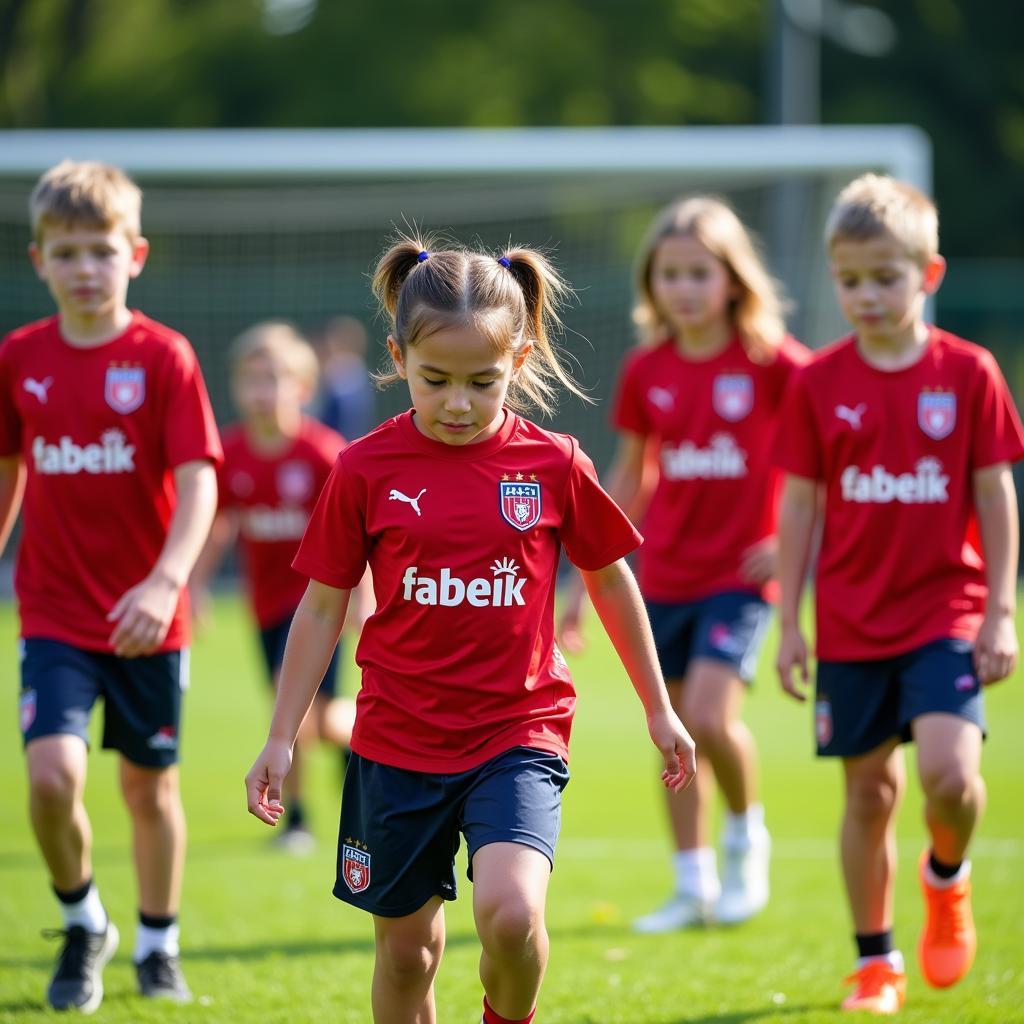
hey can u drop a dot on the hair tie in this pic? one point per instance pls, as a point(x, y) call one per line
point(504, 261)
point(423, 256)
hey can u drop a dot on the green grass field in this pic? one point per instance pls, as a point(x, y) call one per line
point(264, 941)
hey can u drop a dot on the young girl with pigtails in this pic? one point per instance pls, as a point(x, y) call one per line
point(460, 507)
point(696, 411)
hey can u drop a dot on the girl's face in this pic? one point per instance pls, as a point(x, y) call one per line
point(266, 391)
point(691, 287)
point(457, 383)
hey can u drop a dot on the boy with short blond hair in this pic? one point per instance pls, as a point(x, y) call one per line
point(910, 432)
point(276, 462)
point(106, 433)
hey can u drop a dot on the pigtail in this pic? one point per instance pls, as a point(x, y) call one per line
point(544, 291)
point(394, 267)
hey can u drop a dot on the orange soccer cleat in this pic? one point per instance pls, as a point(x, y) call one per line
point(949, 941)
point(880, 988)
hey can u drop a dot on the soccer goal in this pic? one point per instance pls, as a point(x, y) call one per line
point(247, 225)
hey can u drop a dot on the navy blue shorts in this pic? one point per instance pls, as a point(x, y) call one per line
point(727, 627)
point(861, 704)
point(141, 698)
point(272, 642)
point(400, 829)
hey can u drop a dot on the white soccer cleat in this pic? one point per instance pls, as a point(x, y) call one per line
point(681, 911)
point(745, 880)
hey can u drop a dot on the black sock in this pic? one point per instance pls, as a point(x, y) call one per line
point(942, 870)
point(76, 895)
point(876, 944)
point(296, 816)
point(152, 921)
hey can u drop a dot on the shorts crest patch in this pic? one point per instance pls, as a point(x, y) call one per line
point(936, 413)
point(125, 388)
point(520, 504)
point(355, 865)
point(823, 722)
point(26, 709)
point(732, 395)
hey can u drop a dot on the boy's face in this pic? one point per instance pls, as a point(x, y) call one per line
point(880, 288)
point(266, 390)
point(87, 269)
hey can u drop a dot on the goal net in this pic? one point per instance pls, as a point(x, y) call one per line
point(252, 225)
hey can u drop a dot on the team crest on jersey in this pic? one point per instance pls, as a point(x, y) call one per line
point(732, 395)
point(936, 413)
point(520, 503)
point(125, 388)
point(294, 481)
point(355, 865)
point(823, 722)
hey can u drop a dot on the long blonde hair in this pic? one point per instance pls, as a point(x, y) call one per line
point(425, 286)
point(756, 311)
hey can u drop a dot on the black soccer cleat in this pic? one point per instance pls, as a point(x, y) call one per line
point(77, 982)
point(160, 977)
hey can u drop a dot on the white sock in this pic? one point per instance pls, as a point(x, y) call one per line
point(934, 882)
point(87, 912)
point(741, 830)
point(156, 940)
point(893, 959)
point(696, 873)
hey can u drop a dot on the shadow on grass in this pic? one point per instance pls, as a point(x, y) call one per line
point(761, 1013)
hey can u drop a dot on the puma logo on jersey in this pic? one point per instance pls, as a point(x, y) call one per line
point(928, 485)
point(415, 502)
point(39, 388)
point(111, 455)
point(852, 416)
point(504, 590)
point(722, 459)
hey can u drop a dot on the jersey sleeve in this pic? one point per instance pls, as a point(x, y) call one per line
point(190, 431)
point(629, 411)
point(335, 547)
point(595, 531)
point(996, 434)
point(10, 421)
point(797, 447)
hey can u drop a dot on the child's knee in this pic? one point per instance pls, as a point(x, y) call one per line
point(950, 783)
point(511, 930)
point(408, 957)
point(53, 784)
point(150, 794)
point(874, 799)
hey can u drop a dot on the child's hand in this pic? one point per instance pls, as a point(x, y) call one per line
point(263, 783)
point(760, 561)
point(199, 602)
point(996, 649)
point(677, 748)
point(143, 615)
point(793, 655)
point(570, 636)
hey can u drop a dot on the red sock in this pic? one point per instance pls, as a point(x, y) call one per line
point(490, 1017)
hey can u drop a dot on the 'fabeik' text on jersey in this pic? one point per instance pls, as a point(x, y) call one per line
point(503, 591)
point(928, 485)
point(111, 455)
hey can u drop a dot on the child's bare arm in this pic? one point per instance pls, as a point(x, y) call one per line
point(797, 511)
point(314, 632)
point(996, 649)
point(143, 614)
point(618, 603)
point(12, 487)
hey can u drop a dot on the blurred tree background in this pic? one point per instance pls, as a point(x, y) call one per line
point(955, 70)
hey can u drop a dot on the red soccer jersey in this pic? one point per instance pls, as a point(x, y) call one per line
point(273, 497)
point(100, 430)
point(896, 452)
point(459, 661)
point(713, 422)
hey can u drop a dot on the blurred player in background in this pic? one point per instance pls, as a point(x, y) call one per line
point(912, 432)
point(696, 410)
point(346, 401)
point(460, 507)
point(276, 461)
point(105, 413)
